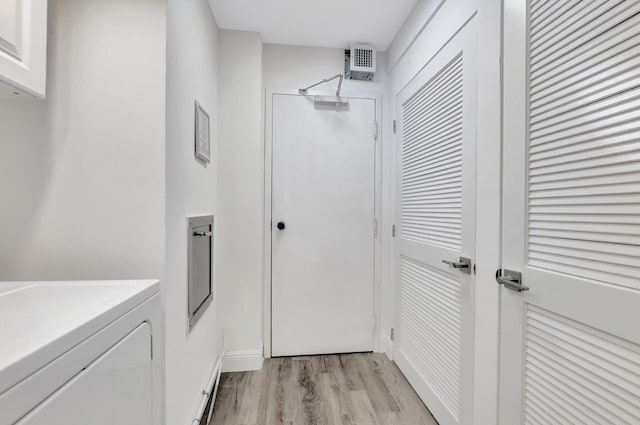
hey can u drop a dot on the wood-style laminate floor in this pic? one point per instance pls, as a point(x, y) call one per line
point(346, 389)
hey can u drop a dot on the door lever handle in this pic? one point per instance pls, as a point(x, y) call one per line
point(511, 280)
point(464, 265)
point(203, 234)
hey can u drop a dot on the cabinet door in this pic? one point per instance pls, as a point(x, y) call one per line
point(23, 44)
point(116, 389)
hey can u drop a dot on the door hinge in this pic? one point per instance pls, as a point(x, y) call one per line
point(393, 336)
point(374, 322)
point(374, 226)
point(395, 126)
point(375, 130)
point(393, 230)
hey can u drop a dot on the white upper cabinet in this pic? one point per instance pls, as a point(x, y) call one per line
point(23, 45)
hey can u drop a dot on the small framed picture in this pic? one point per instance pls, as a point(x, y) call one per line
point(203, 131)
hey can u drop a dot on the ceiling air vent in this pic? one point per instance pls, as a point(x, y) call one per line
point(360, 62)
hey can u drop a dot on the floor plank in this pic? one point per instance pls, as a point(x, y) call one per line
point(345, 389)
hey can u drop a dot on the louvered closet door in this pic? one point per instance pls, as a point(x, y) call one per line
point(571, 344)
point(434, 302)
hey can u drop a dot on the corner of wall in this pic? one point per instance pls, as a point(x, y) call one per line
point(240, 223)
point(386, 346)
point(242, 361)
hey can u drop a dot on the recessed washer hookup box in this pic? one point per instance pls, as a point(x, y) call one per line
point(200, 237)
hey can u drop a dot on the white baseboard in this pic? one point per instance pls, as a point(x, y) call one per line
point(386, 346)
point(242, 361)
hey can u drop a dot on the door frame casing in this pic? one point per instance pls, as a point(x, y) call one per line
point(268, 167)
point(514, 156)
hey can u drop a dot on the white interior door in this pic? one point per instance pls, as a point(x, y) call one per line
point(437, 163)
point(323, 206)
point(570, 350)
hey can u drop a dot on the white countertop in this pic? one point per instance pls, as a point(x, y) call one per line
point(39, 321)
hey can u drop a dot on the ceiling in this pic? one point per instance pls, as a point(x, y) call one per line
point(322, 23)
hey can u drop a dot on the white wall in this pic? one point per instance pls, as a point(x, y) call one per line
point(240, 198)
point(81, 174)
point(293, 67)
point(245, 67)
point(431, 25)
point(192, 72)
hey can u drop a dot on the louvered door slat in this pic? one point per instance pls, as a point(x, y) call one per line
point(593, 247)
point(623, 143)
point(589, 41)
point(435, 130)
point(450, 134)
point(431, 318)
point(587, 111)
point(429, 117)
point(437, 122)
point(586, 369)
point(570, 35)
point(592, 137)
point(434, 186)
point(441, 94)
point(445, 156)
point(434, 105)
point(537, 6)
point(584, 151)
point(441, 83)
point(441, 172)
point(622, 79)
point(616, 54)
point(600, 190)
point(543, 17)
point(567, 24)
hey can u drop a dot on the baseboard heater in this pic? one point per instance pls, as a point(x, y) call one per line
point(205, 408)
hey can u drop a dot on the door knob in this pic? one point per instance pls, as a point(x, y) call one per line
point(281, 225)
point(464, 265)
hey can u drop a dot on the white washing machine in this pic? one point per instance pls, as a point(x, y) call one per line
point(80, 353)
